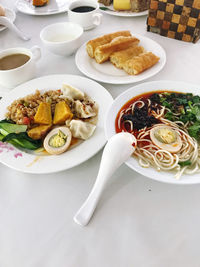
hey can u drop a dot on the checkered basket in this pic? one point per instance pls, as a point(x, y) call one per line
point(178, 19)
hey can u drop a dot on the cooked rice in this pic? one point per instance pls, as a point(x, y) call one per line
point(27, 106)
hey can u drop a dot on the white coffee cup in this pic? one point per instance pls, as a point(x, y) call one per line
point(11, 78)
point(87, 20)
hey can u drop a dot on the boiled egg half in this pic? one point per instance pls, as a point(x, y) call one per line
point(166, 138)
point(58, 140)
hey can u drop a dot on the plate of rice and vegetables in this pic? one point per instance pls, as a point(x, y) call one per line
point(54, 123)
point(164, 116)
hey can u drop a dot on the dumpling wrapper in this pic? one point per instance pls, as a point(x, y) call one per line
point(71, 92)
point(81, 129)
point(83, 110)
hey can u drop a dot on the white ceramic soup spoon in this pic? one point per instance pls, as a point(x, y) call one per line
point(6, 22)
point(118, 149)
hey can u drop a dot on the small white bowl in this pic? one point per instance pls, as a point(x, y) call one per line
point(62, 38)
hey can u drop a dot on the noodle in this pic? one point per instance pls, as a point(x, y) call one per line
point(149, 154)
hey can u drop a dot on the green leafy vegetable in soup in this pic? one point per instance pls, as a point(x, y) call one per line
point(182, 107)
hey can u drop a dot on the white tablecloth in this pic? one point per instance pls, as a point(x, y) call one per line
point(138, 222)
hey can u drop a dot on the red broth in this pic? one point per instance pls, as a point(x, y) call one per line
point(144, 97)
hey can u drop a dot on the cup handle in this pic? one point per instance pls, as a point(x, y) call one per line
point(97, 18)
point(36, 52)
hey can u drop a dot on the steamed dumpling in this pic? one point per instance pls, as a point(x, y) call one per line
point(67, 122)
point(71, 92)
point(80, 129)
point(83, 110)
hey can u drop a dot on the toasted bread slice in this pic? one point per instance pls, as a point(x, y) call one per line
point(93, 44)
point(103, 52)
point(140, 63)
point(139, 5)
point(106, 2)
point(119, 58)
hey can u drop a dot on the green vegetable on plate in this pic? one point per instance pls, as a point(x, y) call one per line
point(16, 135)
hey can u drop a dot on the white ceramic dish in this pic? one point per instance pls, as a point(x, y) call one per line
point(62, 38)
point(30, 163)
point(113, 12)
point(167, 177)
point(108, 73)
point(53, 7)
point(10, 14)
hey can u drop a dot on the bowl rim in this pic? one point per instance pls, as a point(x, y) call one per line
point(60, 23)
point(123, 98)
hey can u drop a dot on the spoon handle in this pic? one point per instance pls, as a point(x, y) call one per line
point(6, 22)
point(84, 214)
point(18, 32)
point(118, 149)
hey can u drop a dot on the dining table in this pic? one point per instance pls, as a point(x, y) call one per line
point(138, 222)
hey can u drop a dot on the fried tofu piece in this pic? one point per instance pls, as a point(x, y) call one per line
point(119, 58)
point(140, 63)
point(105, 39)
point(39, 132)
point(43, 114)
point(103, 52)
point(62, 113)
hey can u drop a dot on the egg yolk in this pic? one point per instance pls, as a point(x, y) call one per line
point(58, 140)
point(165, 135)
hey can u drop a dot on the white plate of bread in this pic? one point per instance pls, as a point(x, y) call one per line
point(42, 7)
point(124, 8)
point(120, 58)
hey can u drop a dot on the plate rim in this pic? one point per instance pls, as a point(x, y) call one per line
point(5, 102)
point(41, 13)
point(106, 80)
point(184, 180)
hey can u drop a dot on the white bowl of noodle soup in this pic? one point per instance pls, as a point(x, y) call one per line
point(167, 176)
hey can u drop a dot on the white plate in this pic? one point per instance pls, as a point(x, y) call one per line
point(30, 163)
point(122, 13)
point(167, 177)
point(10, 14)
point(108, 73)
point(53, 7)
